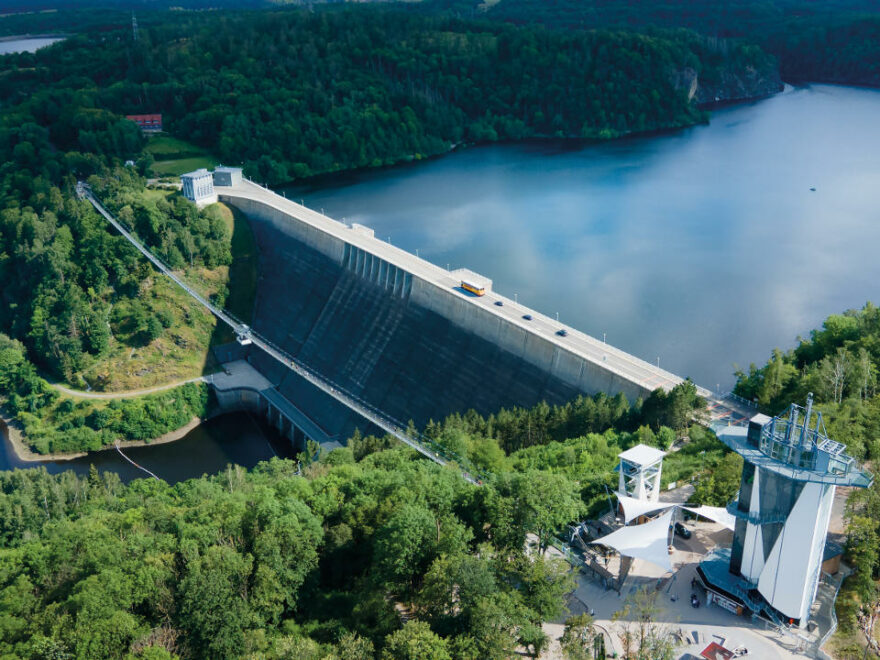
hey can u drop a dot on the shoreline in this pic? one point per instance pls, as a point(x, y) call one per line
point(24, 453)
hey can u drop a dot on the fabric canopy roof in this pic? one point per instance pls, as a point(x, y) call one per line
point(633, 508)
point(715, 513)
point(649, 541)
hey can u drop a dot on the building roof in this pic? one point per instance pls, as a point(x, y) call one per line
point(151, 117)
point(736, 437)
point(716, 652)
point(633, 508)
point(714, 513)
point(642, 455)
point(225, 168)
point(196, 174)
point(649, 541)
point(832, 550)
point(466, 275)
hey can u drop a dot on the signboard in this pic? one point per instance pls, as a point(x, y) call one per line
point(726, 603)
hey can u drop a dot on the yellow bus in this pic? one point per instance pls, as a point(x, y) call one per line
point(476, 289)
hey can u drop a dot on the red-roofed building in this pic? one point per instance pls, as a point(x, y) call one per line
point(147, 123)
point(716, 652)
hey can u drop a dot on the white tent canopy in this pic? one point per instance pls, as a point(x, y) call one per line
point(649, 541)
point(715, 513)
point(633, 508)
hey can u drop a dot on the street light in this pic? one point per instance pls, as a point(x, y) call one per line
point(603, 337)
point(515, 299)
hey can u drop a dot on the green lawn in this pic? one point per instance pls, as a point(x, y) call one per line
point(165, 147)
point(183, 165)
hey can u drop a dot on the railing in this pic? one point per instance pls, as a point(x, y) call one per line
point(754, 518)
point(740, 400)
point(425, 446)
point(756, 605)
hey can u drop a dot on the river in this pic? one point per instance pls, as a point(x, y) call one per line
point(26, 45)
point(704, 247)
point(236, 438)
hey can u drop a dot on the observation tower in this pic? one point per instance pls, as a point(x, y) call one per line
point(640, 469)
point(789, 477)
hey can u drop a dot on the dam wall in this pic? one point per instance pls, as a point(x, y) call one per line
point(401, 334)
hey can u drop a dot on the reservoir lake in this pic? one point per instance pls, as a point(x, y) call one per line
point(26, 45)
point(704, 247)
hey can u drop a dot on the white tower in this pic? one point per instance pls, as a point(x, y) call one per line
point(790, 472)
point(640, 468)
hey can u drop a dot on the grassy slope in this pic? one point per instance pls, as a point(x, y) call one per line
point(182, 351)
point(179, 353)
point(175, 157)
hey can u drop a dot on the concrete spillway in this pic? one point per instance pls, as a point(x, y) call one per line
point(397, 331)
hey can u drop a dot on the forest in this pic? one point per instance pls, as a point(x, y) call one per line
point(835, 41)
point(369, 551)
point(292, 94)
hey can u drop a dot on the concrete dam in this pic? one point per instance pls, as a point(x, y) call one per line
point(400, 333)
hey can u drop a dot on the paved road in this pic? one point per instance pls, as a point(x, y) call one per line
point(634, 369)
point(79, 394)
point(613, 359)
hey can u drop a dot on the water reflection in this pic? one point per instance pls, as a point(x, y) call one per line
point(26, 45)
point(705, 247)
point(236, 438)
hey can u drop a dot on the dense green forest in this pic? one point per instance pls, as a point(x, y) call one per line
point(818, 41)
point(373, 552)
point(293, 93)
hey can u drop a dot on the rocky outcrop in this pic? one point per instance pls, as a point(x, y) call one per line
point(727, 71)
point(747, 83)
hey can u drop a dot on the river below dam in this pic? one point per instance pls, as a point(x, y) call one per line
point(704, 247)
point(236, 438)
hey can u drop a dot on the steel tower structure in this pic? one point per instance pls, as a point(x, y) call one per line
point(789, 477)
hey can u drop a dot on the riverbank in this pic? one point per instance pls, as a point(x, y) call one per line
point(335, 178)
point(22, 37)
point(13, 431)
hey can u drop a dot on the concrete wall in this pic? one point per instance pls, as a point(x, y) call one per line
point(573, 370)
point(239, 400)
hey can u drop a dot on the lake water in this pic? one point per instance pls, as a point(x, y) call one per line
point(236, 438)
point(704, 247)
point(26, 45)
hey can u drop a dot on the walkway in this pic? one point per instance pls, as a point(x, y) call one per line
point(79, 394)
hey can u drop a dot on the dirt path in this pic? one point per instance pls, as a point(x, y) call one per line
point(79, 394)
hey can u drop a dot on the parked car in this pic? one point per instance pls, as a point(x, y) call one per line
point(682, 531)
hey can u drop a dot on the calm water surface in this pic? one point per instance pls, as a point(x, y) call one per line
point(235, 438)
point(26, 45)
point(704, 248)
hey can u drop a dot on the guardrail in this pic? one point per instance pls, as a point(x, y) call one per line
point(754, 518)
